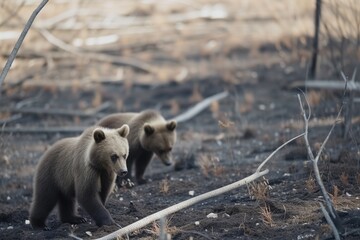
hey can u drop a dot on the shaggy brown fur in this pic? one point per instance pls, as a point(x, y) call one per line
point(81, 168)
point(150, 133)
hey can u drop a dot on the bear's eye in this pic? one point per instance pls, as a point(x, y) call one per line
point(124, 156)
point(114, 157)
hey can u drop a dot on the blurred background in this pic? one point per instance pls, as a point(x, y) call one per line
point(79, 43)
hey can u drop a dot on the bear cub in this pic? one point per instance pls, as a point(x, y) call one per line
point(81, 169)
point(150, 133)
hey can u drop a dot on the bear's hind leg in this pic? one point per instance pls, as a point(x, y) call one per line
point(67, 211)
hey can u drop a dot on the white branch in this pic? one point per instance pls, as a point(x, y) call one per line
point(193, 111)
point(177, 207)
point(20, 41)
point(330, 222)
point(153, 217)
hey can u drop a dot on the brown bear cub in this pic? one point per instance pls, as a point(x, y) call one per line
point(80, 168)
point(150, 133)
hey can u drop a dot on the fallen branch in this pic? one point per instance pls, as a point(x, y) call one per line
point(326, 84)
point(44, 130)
point(11, 119)
point(95, 56)
point(20, 41)
point(61, 112)
point(177, 207)
point(193, 111)
point(199, 107)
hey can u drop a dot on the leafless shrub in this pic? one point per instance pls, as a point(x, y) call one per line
point(341, 32)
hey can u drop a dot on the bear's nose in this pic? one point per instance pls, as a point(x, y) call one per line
point(123, 173)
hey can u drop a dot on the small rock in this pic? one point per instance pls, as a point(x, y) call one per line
point(348, 194)
point(10, 227)
point(191, 193)
point(27, 222)
point(8, 198)
point(121, 199)
point(197, 223)
point(88, 233)
point(212, 215)
point(226, 215)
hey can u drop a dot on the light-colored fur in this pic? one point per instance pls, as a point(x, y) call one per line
point(150, 133)
point(82, 168)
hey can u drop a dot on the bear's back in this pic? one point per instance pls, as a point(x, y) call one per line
point(116, 120)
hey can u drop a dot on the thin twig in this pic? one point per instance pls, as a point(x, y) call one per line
point(20, 41)
point(276, 150)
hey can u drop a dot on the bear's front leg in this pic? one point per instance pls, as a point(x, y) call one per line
point(87, 194)
point(94, 207)
point(140, 166)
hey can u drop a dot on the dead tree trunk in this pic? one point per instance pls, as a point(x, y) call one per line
point(312, 71)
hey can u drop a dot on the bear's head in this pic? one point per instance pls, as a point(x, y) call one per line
point(110, 150)
point(159, 138)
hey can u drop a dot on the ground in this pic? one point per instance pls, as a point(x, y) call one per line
point(223, 144)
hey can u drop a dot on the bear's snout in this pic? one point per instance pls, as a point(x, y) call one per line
point(167, 160)
point(122, 173)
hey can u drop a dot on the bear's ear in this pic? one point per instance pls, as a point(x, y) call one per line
point(124, 130)
point(148, 129)
point(99, 135)
point(171, 125)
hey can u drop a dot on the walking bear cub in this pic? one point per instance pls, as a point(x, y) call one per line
point(80, 168)
point(150, 133)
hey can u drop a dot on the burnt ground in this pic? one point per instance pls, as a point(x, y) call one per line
point(260, 117)
point(224, 143)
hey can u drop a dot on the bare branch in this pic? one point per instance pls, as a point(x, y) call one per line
point(20, 41)
point(330, 222)
point(193, 111)
point(95, 56)
point(329, 205)
point(153, 217)
point(177, 207)
point(276, 150)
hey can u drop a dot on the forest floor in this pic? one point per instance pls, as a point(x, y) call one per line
point(224, 143)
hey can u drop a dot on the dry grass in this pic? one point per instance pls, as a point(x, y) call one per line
point(311, 184)
point(344, 178)
point(335, 195)
point(266, 216)
point(313, 97)
point(248, 104)
point(164, 186)
point(259, 190)
point(210, 165)
point(156, 229)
